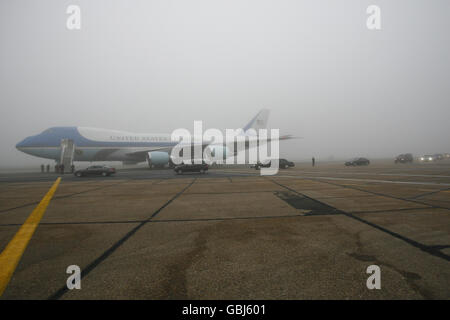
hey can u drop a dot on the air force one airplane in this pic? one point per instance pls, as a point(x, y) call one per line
point(93, 144)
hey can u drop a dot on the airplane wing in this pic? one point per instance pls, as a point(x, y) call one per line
point(141, 155)
point(257, 122)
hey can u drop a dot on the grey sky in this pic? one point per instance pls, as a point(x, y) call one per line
point(157, 65)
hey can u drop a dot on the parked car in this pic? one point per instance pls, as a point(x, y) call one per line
point(95, 171)
point(358, 162)
point(259, 165)
point(191, 167)
point(439, 156)
point(427, 158)
point(404, 158)
point(282, 163)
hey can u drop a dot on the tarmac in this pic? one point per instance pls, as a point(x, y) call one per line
point(305, 233)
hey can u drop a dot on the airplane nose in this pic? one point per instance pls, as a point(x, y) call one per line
point(20, 144)
point(23, 143)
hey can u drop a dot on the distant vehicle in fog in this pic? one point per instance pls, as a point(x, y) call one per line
point(282, 163)
point(358, 162)
point(447, 155)
point(95, 171)
point(427, 158)
point(404, 158)
point(439, 156)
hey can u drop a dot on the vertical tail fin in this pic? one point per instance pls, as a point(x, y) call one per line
point(259, 121)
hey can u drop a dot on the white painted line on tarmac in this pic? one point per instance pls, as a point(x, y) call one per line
point(369, 180)
point(383, 174)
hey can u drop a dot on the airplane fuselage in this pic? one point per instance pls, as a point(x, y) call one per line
point(92, 144)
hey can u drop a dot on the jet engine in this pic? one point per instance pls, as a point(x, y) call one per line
point(158, 159)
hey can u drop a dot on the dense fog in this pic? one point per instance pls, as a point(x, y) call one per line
point(152, 66)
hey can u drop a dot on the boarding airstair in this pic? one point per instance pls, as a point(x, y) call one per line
point(67, 153)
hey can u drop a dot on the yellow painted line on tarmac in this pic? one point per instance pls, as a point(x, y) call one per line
point(10, 257)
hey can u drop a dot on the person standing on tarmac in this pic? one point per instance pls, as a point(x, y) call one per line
point(62, 168)
point(72, 168)
point(313, 161)
point(42, 168)
point(48, 168)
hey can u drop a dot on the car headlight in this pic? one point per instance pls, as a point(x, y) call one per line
point(430, 158)
point(422, 158)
